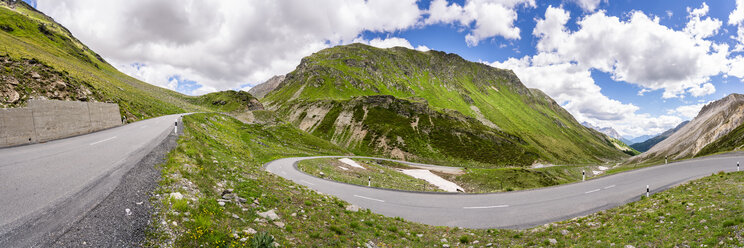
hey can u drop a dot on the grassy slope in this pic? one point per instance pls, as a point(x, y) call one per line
point(732, 141)
point(382, 176)
point(217, 152)
point(446, 81)
point(474, 180)
point(437, 138)
point(37, 36)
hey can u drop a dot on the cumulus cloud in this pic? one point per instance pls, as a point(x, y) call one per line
point(490, 18)
point(588, 5)
point(222, 44)
point(688, 111)
point(638, 50)
point(736, 18)
point(575, 89)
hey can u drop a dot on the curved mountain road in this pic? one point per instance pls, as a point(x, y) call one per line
point(511, 210)
point(46, 187)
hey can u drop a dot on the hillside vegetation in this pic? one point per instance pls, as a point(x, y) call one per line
point(217, 153)
point(431, 105)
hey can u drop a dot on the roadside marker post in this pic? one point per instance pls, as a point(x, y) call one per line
point(369, 181)
point(666, 161)
point(175, 129)
point(583, 175)
point(647, 191)
point(737, 166)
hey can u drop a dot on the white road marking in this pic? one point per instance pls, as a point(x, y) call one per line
point(591, 191)
point(611, 186)
point(307, 182)
point(483, 207)
point(103, 140)
point(373, 199)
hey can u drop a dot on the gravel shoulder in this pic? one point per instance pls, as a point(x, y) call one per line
point(109, 224)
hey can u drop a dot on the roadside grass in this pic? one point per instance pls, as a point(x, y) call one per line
point(474, 180)
point(218, 152)
point(382, 176)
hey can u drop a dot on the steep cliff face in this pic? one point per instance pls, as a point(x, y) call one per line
point(449, 87)
point(715, 120)
point(261, 90)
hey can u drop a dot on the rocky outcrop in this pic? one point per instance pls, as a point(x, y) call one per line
point(23, 79)
point(714, 121)
point(263, 89)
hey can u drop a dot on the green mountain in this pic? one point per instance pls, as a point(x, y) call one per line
point(41, 58)
point(431, 106)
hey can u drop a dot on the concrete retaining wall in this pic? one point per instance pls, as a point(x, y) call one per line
point(45, 120)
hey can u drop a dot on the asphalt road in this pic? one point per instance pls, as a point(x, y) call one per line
point(512, 210)
point(46, 187)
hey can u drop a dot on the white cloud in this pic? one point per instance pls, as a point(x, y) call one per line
point(390, 42)
point(490, 18)
point(588, 5)
point(737, 15)
point(736, 18)
point(574, 88)
point(638, 50)
point(700, 27)
point(688, 111)
point(222, 44)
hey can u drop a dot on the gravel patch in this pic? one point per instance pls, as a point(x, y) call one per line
point(123, 218)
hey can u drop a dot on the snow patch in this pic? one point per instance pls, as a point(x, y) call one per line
point(602, 168)
point(433, 179)
point(351, 163)
point(343, 168)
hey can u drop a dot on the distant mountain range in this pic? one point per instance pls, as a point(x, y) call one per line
point(647, 144)
point(609, 131)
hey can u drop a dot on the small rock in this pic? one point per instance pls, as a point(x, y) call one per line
point(176, 195)
point(242, 200)
point(128, 211)
point(322, 174)
point(489, 244)
point(420, 235)
point(243, 239)
point(352, 208)
point(443, 240)
point(445, 245)
point(174, 223)
point(235, 235)
point(370, 244)
point(279, 224)
point(553, 241)
point(271, 215)
point(564, 232)
point(629, 246)
point(139, 203)
point(294, 215)
point(249, 231)
point(235, 216)
point(221, 203)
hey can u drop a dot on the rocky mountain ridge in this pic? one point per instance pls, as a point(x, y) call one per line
point(715, 120)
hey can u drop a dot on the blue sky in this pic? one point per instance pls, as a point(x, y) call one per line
point(638, 66)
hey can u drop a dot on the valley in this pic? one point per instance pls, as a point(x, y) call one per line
point(358, 146)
